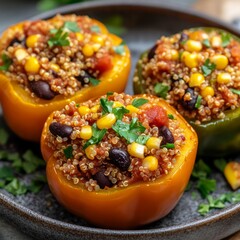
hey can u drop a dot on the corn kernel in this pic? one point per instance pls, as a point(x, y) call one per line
point(20, 54)
point(191, 60)
point(174, 54)
point(232, 174)
point(54, 67)
point(96, 47)
point(83, 110)
point(196, 80)
point(224, 78)
point(97, 39)
point(91, 152)
point(88, 50)
point(79, 36)
point(95, 108)
point(106, 121)
point(207, 91)
point(136, 150)
point(221, 61)
point(132, 109)
point(216, 41)
point(86, 132)
point(32, 65)
point(117, 104)
point(183, 55)
point(150, 163)
point(193, 46)
point(153, 142)
point(32, 40)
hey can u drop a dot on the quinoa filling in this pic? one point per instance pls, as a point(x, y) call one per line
point(196, 71)
point(114, 141)
point(59, 56)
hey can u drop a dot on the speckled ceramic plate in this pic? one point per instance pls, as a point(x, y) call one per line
point(40, 216)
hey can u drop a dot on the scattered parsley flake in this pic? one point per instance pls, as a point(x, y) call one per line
point(16, 187)
point(198, 102)
point(95, 28)
point(119, 112)
point(201, 170)
point(220, 164)
point(94, 81)
point(235, 91)
point(208, 67)
point(138, 102)
point(77, 105)
point(7, 61)
point(109, 94)
point(96, 137)
point(106, 105)
point(226, 38)
point(6, 173)
point(60, 38)
point(161, 90)
point(68, 152)
point(206, 186)
point(170, 116)
point(168, 146)
point(4, 136)
point(120, 49)
point(71, 26)
point(142, 139)
point(37, 184)
point(206, 43)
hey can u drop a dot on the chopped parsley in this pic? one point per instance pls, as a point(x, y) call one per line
point(96, 137)
point(129, 131)
point(168, 146)
point(120, 49)
point(206, 186)
point(142, 139)
point(220, 164)
point(206, 43)
point(109, 94)
point(119, 112)
point(161, 90)
point(4, 136)
point(170, 116)
point(16, 187)
point(71, 26)
point(226, 38)
point(208, 67)
point(198, 102)
point(60, 38)
point(7, 61)
point(138, 102)
point(94, 81)
point(68, 152)
point(106, 105)
point(95, 28)
point(235, 91)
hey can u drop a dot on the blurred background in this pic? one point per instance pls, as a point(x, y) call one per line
point(12, 11)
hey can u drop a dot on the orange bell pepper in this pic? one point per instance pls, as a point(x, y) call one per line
point(26, 115)
point(125, 208)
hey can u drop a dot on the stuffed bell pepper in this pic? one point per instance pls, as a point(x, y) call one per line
point(118, 161)
point(198, 72)
point(46, 64)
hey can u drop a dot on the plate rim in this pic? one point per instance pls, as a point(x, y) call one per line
point(60, 225)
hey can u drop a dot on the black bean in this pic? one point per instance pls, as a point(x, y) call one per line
point(102, 180)
point(17, 41)
point(183, 38)
point(42, 89)
point(62, 130)
point(151, 52)
point(120, 158)
point(84, 78)
point(190, 105)
point(166, 134)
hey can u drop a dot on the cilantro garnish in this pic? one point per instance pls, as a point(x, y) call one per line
point(129, 131)
point(16, 187)
point(7, 61)
point(198, 102)
point(120, 49)
point(6, 172)
point(226, 38)
point(94, 81)
point(68, 152)
point(201, 170)
point(235, 91)
point(95, 28)
point(220, 164)
point(71, 26)
point(4, 136)
point(96, 137)
point(109, 94)
point(206, 43)
point(170, 116)
point(138, 102)
point(206, 186)
point(37, 183)
point(60, 38)
point(106, 105)
point(161, 90)
point(142, 139)
point(208, 67)
point(168, 146)
point(119, 112)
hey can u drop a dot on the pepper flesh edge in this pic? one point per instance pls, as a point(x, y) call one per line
point(125, 208)
point(217, 138)
point(26, 116)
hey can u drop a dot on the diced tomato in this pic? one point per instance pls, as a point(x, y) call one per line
point(157, 116)
point(103, 64)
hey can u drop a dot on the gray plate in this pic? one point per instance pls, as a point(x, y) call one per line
point(40, 216)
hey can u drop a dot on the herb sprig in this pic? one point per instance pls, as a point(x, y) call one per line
point(7, 61)
point(208, 67)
